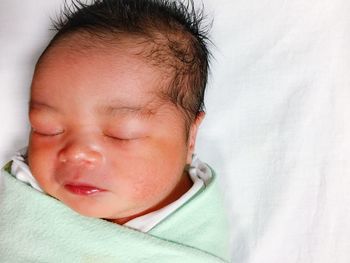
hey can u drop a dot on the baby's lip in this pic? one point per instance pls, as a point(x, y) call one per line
point(82, 188)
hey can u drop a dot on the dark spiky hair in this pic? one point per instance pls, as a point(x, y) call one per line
point(172, 34)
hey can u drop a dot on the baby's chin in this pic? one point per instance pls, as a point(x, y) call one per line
point(98, 206)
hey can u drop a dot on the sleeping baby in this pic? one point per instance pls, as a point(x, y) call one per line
point(110, 174)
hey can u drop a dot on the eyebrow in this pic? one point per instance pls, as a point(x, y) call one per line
point(109, 110)
point(38, 104)
point(127, 109)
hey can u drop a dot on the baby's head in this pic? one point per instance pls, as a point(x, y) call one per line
point(116, 101)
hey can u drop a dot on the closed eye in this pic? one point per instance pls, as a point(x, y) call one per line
point(48, 134)
point(119, 138)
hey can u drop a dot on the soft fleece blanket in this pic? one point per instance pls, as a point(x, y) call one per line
point(35, 227)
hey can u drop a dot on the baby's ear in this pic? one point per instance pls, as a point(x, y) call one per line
point(193, 135)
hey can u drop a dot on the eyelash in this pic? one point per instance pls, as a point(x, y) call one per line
point(47, 135)
point(119, 139)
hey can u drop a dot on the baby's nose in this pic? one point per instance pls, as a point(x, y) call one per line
point(80, 152)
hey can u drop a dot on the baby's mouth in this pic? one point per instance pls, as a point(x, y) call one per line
point(83, 189)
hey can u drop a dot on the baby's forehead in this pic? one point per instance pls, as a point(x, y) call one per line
point(80, 45)
point(106, 43)
point(84, 48)
point(163, 50)
point(126, 79)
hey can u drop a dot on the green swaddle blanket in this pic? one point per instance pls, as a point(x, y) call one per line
point(35, 227)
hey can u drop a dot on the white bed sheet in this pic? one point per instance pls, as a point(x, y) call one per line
point(277, 127)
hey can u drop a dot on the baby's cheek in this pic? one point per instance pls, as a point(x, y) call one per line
point(145, 187)
point(148, 189)
point(41, 161)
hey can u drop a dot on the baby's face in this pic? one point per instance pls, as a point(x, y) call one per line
point(101, 141)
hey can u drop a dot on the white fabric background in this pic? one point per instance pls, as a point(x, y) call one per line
point(277, 128)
